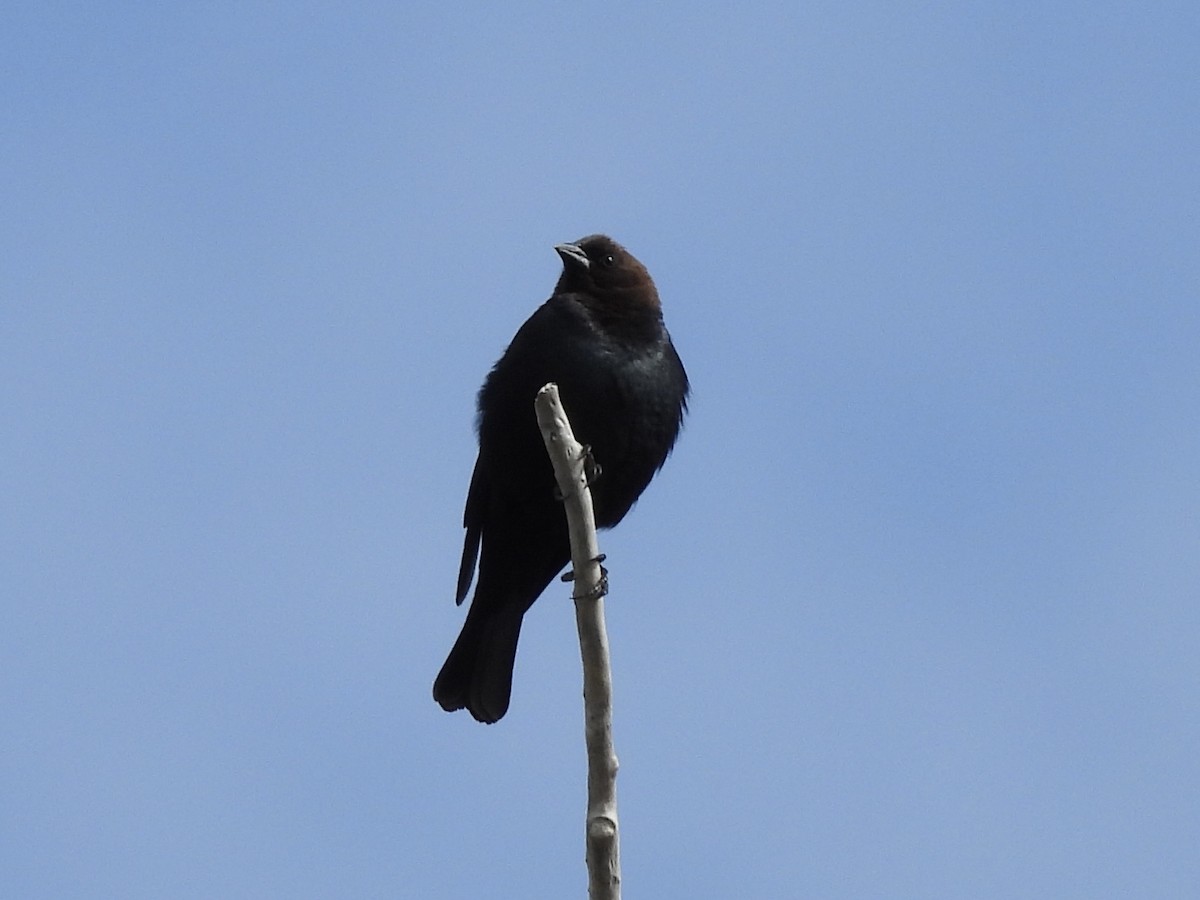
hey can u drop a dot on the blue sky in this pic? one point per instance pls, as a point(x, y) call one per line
point(911, 612)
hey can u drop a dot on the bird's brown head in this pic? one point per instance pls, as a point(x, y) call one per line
point(599, 269)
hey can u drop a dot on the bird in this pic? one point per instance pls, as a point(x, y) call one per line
point(601, 337)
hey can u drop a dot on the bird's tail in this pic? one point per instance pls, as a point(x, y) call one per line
point(477, 675)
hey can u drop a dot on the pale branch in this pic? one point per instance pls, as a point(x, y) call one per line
point(571, 467)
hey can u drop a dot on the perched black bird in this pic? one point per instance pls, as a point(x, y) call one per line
point(601, 338)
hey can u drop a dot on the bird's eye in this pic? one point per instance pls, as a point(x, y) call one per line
point(609, 262)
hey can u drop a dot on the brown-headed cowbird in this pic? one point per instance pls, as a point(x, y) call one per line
point(601, 338)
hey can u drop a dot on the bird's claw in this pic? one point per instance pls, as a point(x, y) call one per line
point(601, 588)
point(592, 471)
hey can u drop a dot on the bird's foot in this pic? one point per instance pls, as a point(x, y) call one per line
point(592, 471)
point(601, 588)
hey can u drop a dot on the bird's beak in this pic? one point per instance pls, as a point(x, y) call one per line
point(573, 256)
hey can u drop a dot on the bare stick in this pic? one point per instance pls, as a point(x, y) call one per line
point(568, 458)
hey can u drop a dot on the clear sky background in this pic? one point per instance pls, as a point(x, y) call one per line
point(914, 609)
